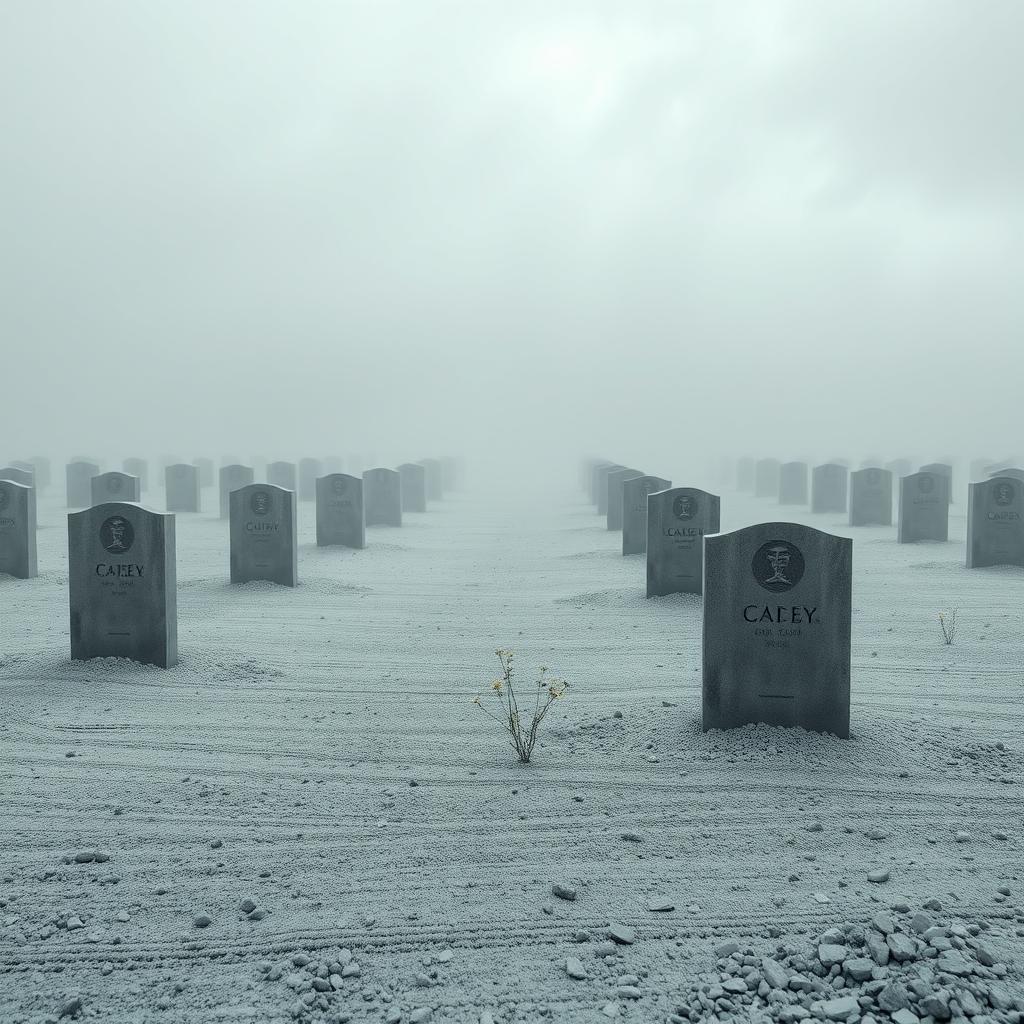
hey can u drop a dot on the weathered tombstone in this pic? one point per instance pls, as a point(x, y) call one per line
point(121, 576)
point(613, 517)
point(1017, 474)
point(339, 511)
point(871, 462)
point(601, 482)
point(871, 497)
point(231, 478)
point(634, 511)
point(900, 467)
point(264, 542)
point(923, 508)
point(181, 488)
point(140, 469)
point(309, 471)
point(79, 476)
point(677, 522)
point(828, 487)
point(18, 476)
point(777, 610)
point(946, 470)
point(25, 467)
point(435, 479)
point(745, 474)
point(114, 486)
point(205, 467)
point(382, 497)
point(414, 487)
point(793, 483)
point(995, 522)
point(17, 529)
point(41, 466)
point(282, 474)
point(766, 478)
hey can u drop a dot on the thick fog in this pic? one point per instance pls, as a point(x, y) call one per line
point(650, 231)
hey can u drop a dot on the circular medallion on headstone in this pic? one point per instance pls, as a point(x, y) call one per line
point(337, 485)
point(926, 483)
point(114, 484)
point(117, 535)
point(260, 503)
point(1003, 493)
point(5, 498)
point(685, 506)
point(778, 565)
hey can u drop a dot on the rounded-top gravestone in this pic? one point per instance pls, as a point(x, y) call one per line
point(382, 497)
point(264, 542)
point(871, 497)
point(414, 487)
point(17, 529)
point(231, 478)
point(339, 511)
point(678, 520)
point(114, 486)
point(995, 522)
point(282, 474)
point(16, 475)
point(435, 478)
point(615, 480)
point(634, 511)
point(828, 487)
point(945, 469)
point(79, 474)
point(923, 508)
point(138, 468)
point(181, 488)
point(601, 483)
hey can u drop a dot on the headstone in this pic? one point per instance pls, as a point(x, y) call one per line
point(139, 468)
point(309, 471)
point(231, 478)
point(924, 508)
point(871, 462)
point(900, 467)
point(613, 517)
point(41, 465)
point(435, 479)
point(828, 487)
point(414, 487)
point(995, 522)
point(18, 476)
point(282, 474)
point(339, 511)
point(121, 576)
point(205, 467)
point(181, 488)
point(17, 529)
point(745, 474)
point(79, 476)
point(871, 497)
point(25, 467)
point(1017, 474)
point(766, 478)
point(382, 497)
point(114, 486)
point(777, 611)
point(793, 483)
point(602, 486)
point(677, 522)
point(946, 470)
point(264, 542)
point(634, 511)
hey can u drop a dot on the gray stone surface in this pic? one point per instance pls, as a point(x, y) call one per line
point(414, 487)
point(230, 478)
point(264, 538)
point(613, 515)
point(121, 578)
point(946, 470)
point(17, 529)
point(139, 468)
point(871, 497)
point(41, 468)
point(382, 497)
point(601, 483)
point(745, 474)
point(777, 609)
point(435, 479)
point(634, 511)
point(283, 474)
point(829, 485)
point(923, 508)
point(1012, 472)
point(17, 475)
point(181, 488)
point(766, 478)
point(310, 470)
point(793, 483)
point(114, 486)
point(79, 474)
point(339, 511)
point(205, 467)
point(995, 523)
point(677, 522)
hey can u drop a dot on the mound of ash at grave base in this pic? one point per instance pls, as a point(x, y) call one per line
point(900, 966)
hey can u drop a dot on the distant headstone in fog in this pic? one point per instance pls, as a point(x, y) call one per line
point(138, 468)
point(435, 479)
point(79, 476)
point(17, 529)
point(777, 614)
point(793, 483)
point(923, 508)
point(382, 497)
point(181, 488)
point(828, 487)
point(979, 469)
point(309, 471)
point(114, 486)
point(283, 474)
point(766, 478)
point(230, 478)
point(871, 462)
point(601, 483)
point(744, 474)
point(414, 487)
point(1016, 474)
point(677, 522)
point(121, 577)
point(634, 511)
point(41, 468)
point(900, 467)
point(871, 497)
point(613, 517)
point(995, 522)
point(339, 511)
point(946, 470)
point(205, 467)
point(264, 541)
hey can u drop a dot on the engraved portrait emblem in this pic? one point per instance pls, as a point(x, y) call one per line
point(260, 503)
point(926, 483)
point(114, 484)
point(5, 498)
point(778, 565)
point(117, 535)
point(1003, 492)
point(337, 485)
point(685, 506)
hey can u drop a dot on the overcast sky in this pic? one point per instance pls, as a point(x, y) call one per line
point(633, 229)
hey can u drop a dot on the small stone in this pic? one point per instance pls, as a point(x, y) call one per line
point(632, 837)
point(216, 844)
point(962, 836)
point(351, 970)
point(661, 906)
point(123, 916)
point(727, 949)
point(74, 923)
point(841, 1008)
point(247, 906)
point(622, 934)
point(202, 921)
point(901, 946)
point(85, 856)
point(859, 967)
point(628, 992)
point(774, 973)
point(421, 1015)
point(905, 1016)
point(893, 997)
point(829, 953)
point(72, 1008)
point(574, 968)
point(563, 892)
point(878, 875)
point(921, 922)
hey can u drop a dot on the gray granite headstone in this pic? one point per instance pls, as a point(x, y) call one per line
point(41, 468)
point(613, 517)
point(592, 485)
point(435, 479)
point(414, 487)
point(231, 478)
point(264, 541)
point(871, 497)
point(79, 476)
point(139, 468)
point(793, 483)
point(283, 474)
point(17, 529)
point(766, 478)
point(382, 497)
point(828, 487)
point(121, 576)
point(744, 474)
point(900, 467)
point(114, 486)
point(1017, 474)
point(634, 511)
point(339, 511)
point(923, 508)
point(603, 472)
point(946, 470)
point(18, 476)
point(310, 470)
point(205, 467)
point(995, 522)
point(181, 488)
point(777, 612)
point(677, 522)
